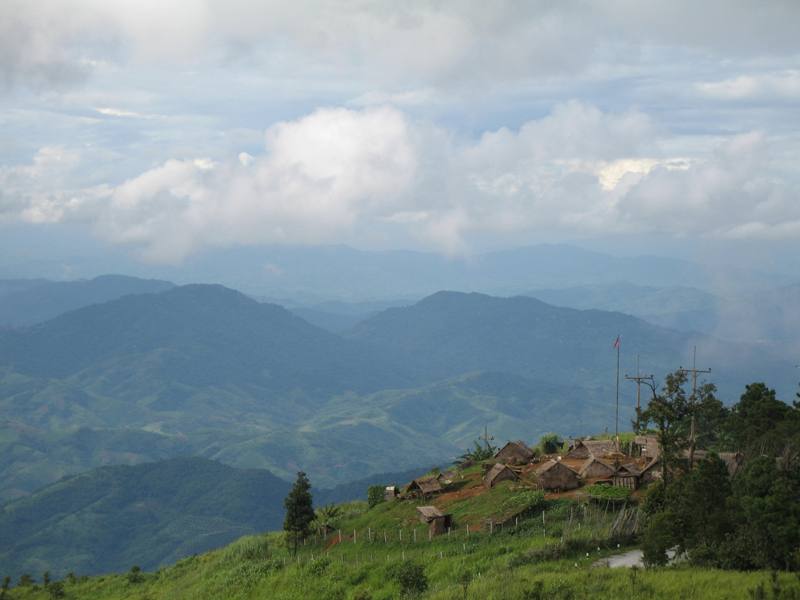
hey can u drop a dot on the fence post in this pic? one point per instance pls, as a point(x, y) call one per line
point(415, 535)
point(491, 527)
point(448, 533)
point(385, 539)
point(369, 534)
point(340, 536)
point(354, 536)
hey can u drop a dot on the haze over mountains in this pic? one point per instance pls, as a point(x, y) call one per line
point(204, 370)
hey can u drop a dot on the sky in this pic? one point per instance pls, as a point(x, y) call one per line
point(162, 129)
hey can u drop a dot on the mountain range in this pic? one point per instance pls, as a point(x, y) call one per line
point(203, 370)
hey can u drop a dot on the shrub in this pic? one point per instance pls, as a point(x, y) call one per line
point(410, 576)
point(56, 590)
point(608, 492)
point(375, 495)
point(319, 566)
point(523, 501)
point(135, 574)
point(657, 540)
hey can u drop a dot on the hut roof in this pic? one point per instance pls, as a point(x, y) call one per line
point(732, 460)
point(651, 463)
point(516, 449)
point(495, 472)
point(628, 469)
point(594, 460)
point(427, 485)
point(546, 466)
point(599, 448)
point(430, 512)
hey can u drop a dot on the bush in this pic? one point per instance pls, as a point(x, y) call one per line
point(411, 578)
point(135, 575)
point(56, 590)
point(523, 501)
point(550, 443)
point(608, 492)
point(657, 540)
point(375, 495)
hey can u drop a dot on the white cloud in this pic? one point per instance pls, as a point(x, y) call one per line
point(766, 86)
point(343, 175)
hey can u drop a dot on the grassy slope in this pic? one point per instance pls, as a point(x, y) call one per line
point(507, 564)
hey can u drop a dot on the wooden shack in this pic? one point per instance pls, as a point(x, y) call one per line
point(514, 453)
point(555, 475)
point(626, 476)
point(390, 492)
point(584, 449)
point(424, 487)
point(648, 446)
point(651, 471)
point(595, 468)
point(498, 473)
point(437, 521)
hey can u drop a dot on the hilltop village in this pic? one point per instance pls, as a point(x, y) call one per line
point(585, 467)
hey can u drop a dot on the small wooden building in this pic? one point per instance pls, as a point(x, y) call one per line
point(555, 475)
point(648, 446)
point(626, 476)
point(424, 487)
point(514, 453)
point(587, 448)
point(390, 492)
point(595, 468)
point(438, 522)
point(498, 473)
point(651, 471)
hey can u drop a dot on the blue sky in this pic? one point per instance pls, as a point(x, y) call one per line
point(159, 130)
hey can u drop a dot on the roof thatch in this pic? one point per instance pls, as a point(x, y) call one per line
point(515, 452)
point(554, 474)
point(426, 485)
point(430, 512)
point(595, 468)
point(499, 472)
point(596, 448)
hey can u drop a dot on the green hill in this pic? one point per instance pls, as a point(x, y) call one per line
point(150, 514)
point(545, 548)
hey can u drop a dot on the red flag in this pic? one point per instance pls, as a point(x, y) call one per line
point(616, 343)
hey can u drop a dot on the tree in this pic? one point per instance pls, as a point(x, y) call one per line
point(411, 578)
point(375, 495)
point(326, 516)
point(56, 590)
point(670, 412)
point(478, 453)
point(550, 443)
point(299, 511)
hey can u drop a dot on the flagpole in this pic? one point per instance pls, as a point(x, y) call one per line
point(616, 422)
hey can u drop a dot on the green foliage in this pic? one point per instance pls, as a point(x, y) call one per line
point(480, 451)
point(375, 495)
point(520, 502)
point(657, 539)
point(608, 492)
point(25, 580)
point(253, 547)
point(299, 511)
point(550, 443)
point(135, 575)
point(56, 590)
point(410, 576)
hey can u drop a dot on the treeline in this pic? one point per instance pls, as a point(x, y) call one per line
point(741, 513)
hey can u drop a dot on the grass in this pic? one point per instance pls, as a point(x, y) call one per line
point(549, 554)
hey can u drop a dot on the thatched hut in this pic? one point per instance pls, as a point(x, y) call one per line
point(498, 473)
point(424, 486)
point(514, 453)
point(596, 468)
point(437, 521)
point(648, 446)
point(626, 476)
point(555, 475)
point(651, 472)
point(584, 449)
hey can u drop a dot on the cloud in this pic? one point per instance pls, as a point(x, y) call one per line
point(376, 175)
point(766, 86)
point(433, 44)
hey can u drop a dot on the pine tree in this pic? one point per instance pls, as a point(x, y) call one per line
point(299, 511)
